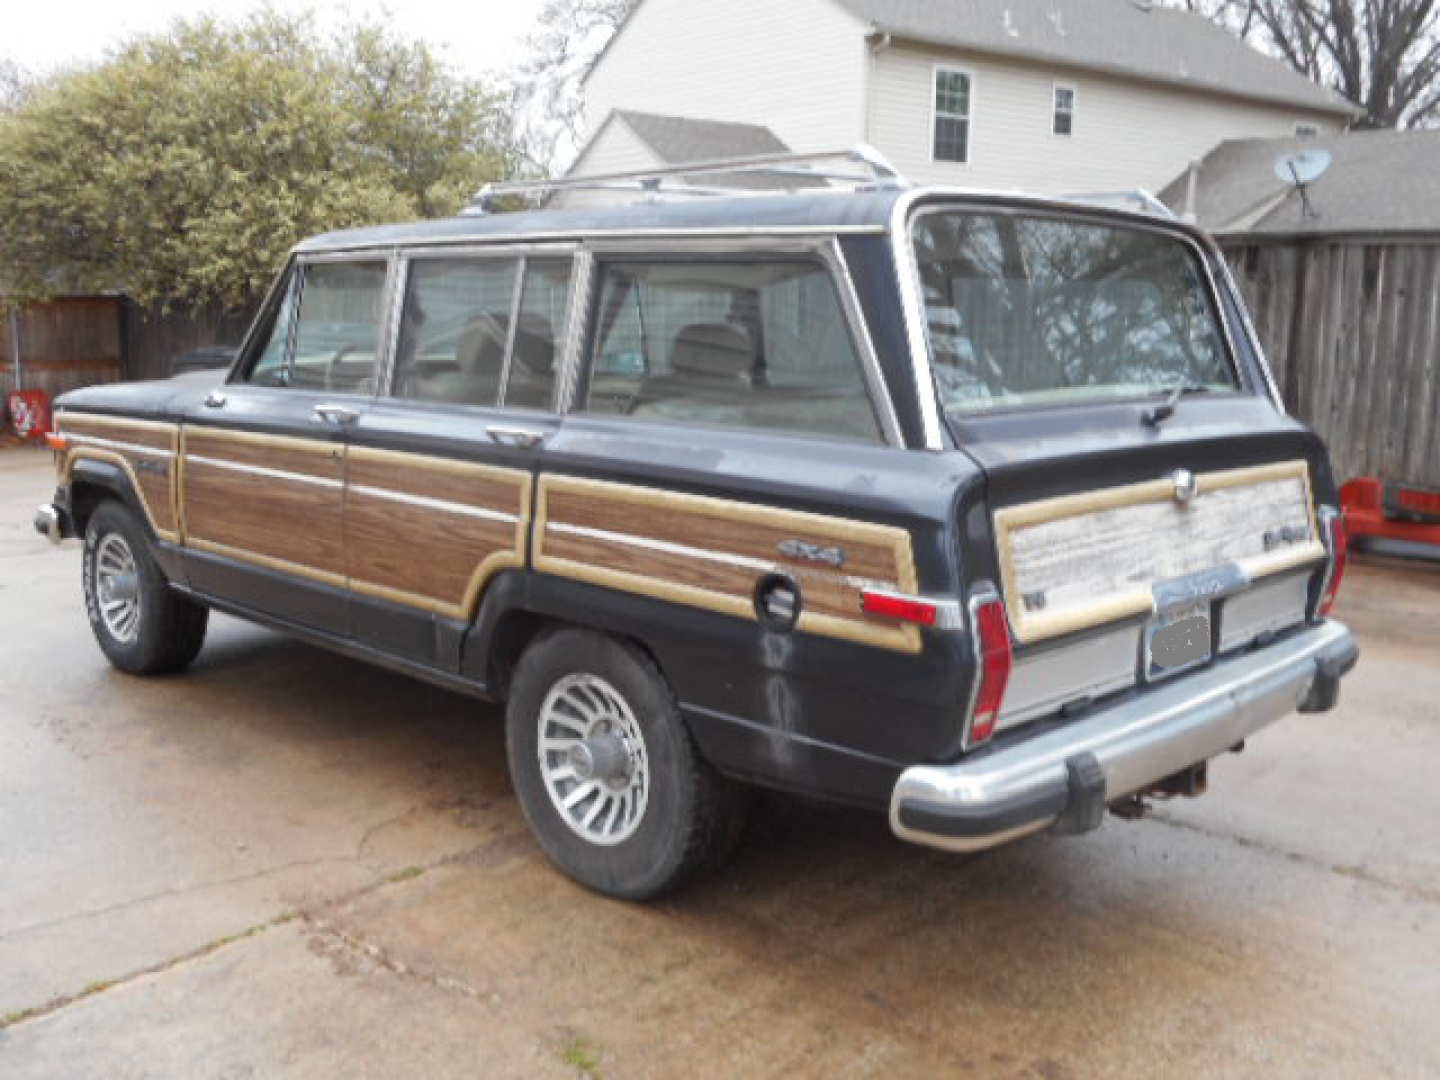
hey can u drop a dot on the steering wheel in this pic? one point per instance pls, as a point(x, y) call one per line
point(333, 364)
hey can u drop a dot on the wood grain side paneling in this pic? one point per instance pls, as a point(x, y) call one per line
point(711, 553)
point(309, 457)
point(145, 449)
point(269, 500)
point(429, 532)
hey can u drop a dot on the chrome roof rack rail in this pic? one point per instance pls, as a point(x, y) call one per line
point(1134, 198)
point(862, 166)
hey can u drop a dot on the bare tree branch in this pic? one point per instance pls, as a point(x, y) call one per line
point(1382, 54)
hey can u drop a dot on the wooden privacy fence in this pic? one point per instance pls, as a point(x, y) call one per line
point(1352, 330)
point(65, 343)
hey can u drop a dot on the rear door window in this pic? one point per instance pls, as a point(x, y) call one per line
point(737, 343)
point(454, 329)
point(482, 330)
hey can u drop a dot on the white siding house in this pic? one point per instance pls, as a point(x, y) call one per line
point(1049, 95)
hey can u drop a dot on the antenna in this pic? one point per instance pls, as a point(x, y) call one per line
point(1302, 169)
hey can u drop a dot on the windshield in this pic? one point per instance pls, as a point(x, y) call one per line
point(1026, 310)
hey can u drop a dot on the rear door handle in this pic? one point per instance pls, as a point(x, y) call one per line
point(523, 438)
point(215, 399)
point(335, 414)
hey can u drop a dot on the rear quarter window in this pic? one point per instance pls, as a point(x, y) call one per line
point(750, 344)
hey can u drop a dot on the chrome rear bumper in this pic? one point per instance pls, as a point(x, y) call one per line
point(1067, 775)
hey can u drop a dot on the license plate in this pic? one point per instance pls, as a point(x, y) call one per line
point(1178, 639)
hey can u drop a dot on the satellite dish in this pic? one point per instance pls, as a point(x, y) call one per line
point(1302, 167)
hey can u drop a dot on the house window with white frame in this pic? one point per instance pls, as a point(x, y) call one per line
point(952, 115)
point(1063, 122)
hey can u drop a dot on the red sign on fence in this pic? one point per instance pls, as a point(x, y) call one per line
point(29, 413)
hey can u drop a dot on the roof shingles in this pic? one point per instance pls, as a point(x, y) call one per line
point(1378, 182)
point(1124, 37)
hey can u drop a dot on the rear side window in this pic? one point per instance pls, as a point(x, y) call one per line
point(753, 344)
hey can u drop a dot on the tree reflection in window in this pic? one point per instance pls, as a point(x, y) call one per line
point(1029, 309)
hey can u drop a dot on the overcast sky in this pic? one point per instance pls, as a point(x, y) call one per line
point(475, 35)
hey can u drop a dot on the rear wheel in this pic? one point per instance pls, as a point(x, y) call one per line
point(142, 625)
point(607, 774)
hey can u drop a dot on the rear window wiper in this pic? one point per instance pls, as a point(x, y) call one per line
point(1166, 409)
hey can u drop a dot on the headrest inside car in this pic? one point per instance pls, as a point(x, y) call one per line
point(713, 351)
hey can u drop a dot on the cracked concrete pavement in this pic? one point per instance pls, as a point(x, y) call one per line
point(284, 863)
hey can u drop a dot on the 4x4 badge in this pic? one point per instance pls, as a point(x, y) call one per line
point(1186, 485)
point(801, 549)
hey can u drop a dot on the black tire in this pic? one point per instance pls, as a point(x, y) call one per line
point(692, 816)
point(167, 631)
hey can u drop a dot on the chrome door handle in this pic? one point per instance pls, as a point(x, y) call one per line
point(335, 414)
point(215, 399)
point(523, 438)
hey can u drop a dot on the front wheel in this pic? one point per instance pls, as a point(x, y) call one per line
point(142, 625)
point(606, 772)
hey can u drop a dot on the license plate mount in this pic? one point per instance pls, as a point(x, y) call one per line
point(1177, 640)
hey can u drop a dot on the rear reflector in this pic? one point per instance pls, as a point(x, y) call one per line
point(995, 658)
point(904, 608)
point(1339, 552)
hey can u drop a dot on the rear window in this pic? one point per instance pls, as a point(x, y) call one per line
point(1030, 310)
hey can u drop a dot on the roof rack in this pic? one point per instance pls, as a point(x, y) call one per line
point(867, 167)
point(1135, 197)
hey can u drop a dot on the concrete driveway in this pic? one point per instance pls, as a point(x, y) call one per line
point(284, 863)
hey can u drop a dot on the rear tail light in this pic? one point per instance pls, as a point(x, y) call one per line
point(992, 633)
point(1339, 552)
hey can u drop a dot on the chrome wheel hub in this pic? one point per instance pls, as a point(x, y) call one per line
point(593, 759)
point(117, 588)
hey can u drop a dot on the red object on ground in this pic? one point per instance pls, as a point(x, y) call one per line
point(29, 413)
point(1399, 512)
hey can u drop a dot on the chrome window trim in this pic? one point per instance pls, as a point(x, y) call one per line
point(577, 236)
point(507, 360)
point(902, 219)
point(880, 399)
point(1247, 326)
point(577, 322)
point(824, 247)
point(400, 285)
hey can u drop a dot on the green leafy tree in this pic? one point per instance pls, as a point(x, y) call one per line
point(183, 167)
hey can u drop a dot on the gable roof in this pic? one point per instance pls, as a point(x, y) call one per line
point(1127, 37)
point(1378, 182)
point(676, 140)
point(684, 140)
point(1135, 38)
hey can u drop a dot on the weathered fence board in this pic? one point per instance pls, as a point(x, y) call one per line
point(1352, 331)
point(64, 344)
